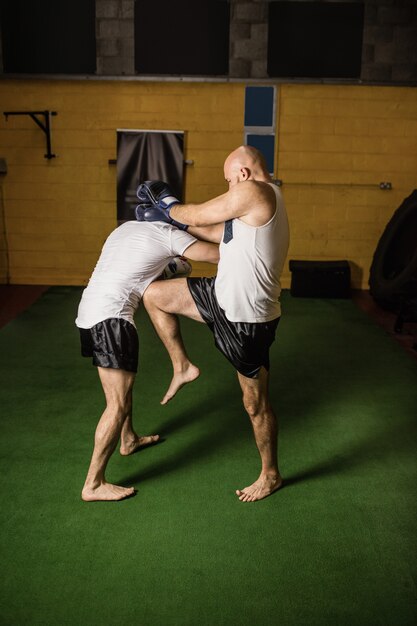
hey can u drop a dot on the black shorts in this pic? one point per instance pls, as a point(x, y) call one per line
point(112, 343)
point(244, 344)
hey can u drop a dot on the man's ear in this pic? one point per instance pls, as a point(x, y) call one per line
point(245, 173)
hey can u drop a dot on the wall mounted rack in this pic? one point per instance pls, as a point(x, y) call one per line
point(43, 125)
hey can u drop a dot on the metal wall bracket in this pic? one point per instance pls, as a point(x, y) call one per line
point(45, 125)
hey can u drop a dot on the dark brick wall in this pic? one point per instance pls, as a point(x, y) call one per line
point(390, 41)
point(115, 37)
point(248, 38)
point(389, 52)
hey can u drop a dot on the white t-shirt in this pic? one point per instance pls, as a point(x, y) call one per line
point(248, 277)
point(133, 256)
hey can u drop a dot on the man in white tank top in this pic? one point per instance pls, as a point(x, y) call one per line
point(241, 305)
point(132, 257)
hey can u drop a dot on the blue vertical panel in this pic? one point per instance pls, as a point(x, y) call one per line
point(259, 106)
point(266, 145)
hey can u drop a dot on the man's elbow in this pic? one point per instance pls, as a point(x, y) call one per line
point(212, 254)
point(215, 256)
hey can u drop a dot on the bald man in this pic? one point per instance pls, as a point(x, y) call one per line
point(241, 305)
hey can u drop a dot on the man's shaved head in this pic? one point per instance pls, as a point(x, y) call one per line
point(248, 159)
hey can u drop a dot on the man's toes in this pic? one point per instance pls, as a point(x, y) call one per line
point(146, 441)
point(150, 439)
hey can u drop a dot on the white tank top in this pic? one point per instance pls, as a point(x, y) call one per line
point(134, 255)
point(251, 262)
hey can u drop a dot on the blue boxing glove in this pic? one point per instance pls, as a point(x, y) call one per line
point(156, 202)
point(140, 212)
point(150, 213)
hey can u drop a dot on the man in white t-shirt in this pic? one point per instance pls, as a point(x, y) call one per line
point(241, 305)
point(133, 256)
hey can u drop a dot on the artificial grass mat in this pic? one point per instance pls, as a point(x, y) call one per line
point(335, 546)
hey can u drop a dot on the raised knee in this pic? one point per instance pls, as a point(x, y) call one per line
point(150, 294)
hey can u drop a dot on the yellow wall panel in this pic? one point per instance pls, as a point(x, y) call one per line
point(353, 127)
point(365, 135)
point(299, 248)
point(348, 231)
point(317, 125)
point(327, 249)
point(68, 204)
point(325, 161)
point(304, 229)
point(397, 127)
point(314, 195)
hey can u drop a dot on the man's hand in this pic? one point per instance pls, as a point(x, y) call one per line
point(150, 213)
point(156, 201)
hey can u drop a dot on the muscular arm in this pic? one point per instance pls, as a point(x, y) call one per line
point(203, 251)
point(251, 200)
point(208, 233)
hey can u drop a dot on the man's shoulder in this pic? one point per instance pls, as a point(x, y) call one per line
point(259, 193)
point(259, 200)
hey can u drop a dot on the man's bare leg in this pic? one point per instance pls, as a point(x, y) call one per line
point(117, 387)
point(163, 300)
point(130, 441)
point(264, 423)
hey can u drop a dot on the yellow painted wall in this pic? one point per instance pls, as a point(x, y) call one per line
point(4, 260)
point(330, 140)
point(59, 212)
point(335, 145)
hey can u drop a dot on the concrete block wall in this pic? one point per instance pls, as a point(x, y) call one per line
point(389, 52)
point(390, 41)
point(248, 38)
point(115, 37)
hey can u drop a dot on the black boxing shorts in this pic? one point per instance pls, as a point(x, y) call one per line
point(112, 343)
point(246, 345)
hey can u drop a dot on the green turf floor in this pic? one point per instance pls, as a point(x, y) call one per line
point(335, 547)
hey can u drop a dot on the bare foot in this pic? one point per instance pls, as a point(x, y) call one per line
point(131, 446)
point(179, 380)
point(107, 492)
point(261, 488)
